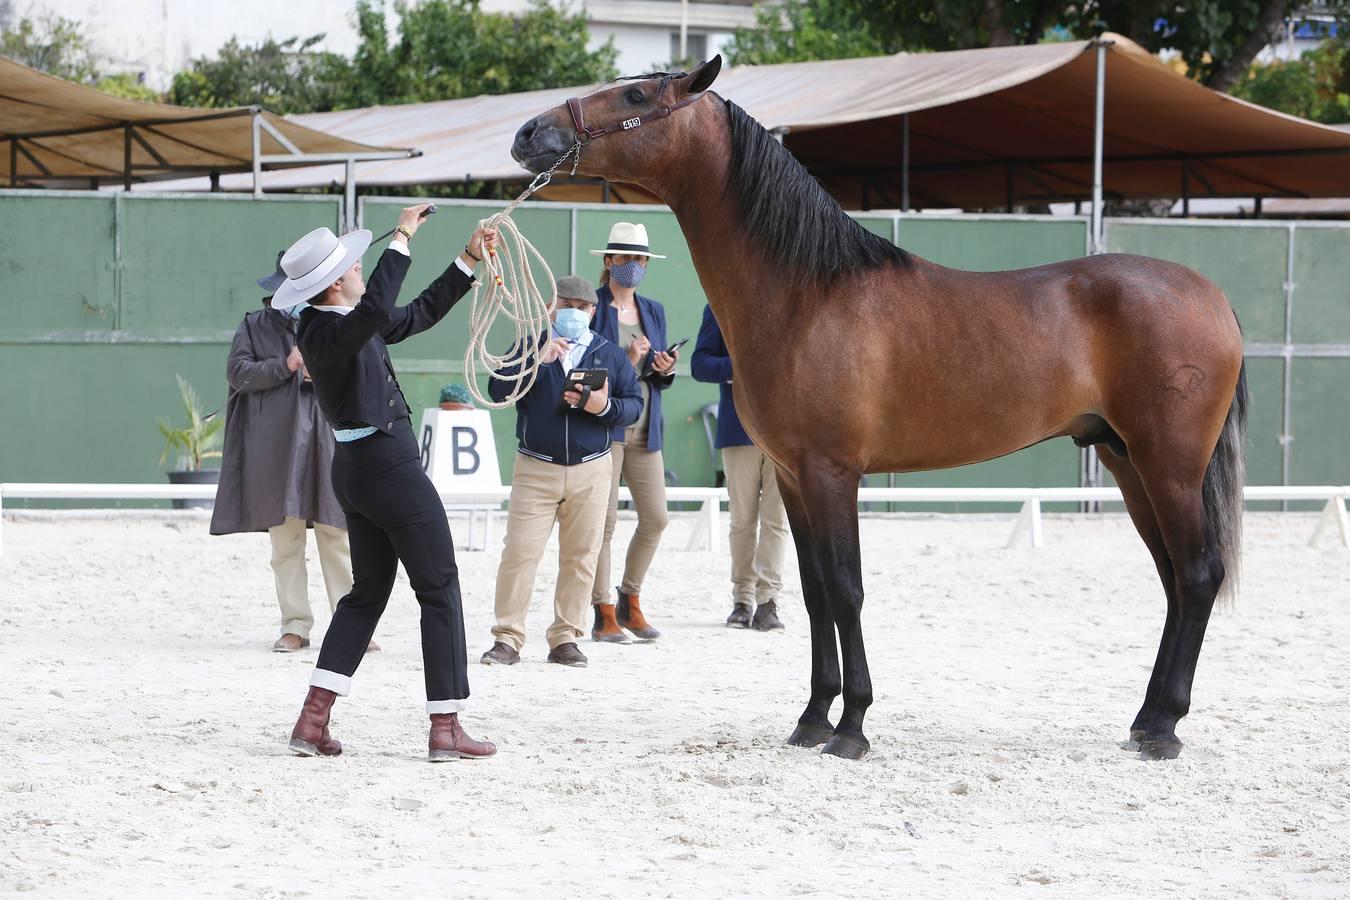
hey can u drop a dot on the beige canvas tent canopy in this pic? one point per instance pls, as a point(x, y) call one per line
point(57, 133)
point(983, 128)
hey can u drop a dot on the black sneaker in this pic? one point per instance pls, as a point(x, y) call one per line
point(567, 655)
point(766, 617)
point(740, 616)
point(501, 654)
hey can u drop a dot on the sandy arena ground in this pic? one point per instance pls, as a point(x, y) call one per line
point(143, 725)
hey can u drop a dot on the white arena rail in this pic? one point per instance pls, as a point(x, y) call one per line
point(708, 533)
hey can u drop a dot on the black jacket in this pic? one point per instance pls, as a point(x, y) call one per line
point(550, 430)
point(346, 354)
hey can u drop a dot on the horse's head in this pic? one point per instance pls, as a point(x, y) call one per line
point(625, 131)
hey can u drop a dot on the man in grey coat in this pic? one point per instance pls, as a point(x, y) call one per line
point(275, 475)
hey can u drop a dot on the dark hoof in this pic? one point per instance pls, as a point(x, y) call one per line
point(1152, 750)
point(810, 735)
point(846, 746)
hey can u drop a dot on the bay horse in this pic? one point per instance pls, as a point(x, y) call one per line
point(853, 356)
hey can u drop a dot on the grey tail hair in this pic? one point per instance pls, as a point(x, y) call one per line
point(1224, 481)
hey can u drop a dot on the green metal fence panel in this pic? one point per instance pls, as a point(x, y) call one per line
point(1247, 263)
point(987, 245)
point(1265, 385)
point(1320, 422)
point(189, 263)
point(1321, 296)
point(59, 264)
point(88, 410)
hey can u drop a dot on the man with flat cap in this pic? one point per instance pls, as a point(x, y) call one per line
point(394, 514)
point(274, 476)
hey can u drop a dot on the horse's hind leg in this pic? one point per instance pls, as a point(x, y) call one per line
point(1175, 490)
point(829, 495)
point(1145, 522)
point(814, 727)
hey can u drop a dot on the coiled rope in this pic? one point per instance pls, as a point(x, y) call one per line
point(511, 291)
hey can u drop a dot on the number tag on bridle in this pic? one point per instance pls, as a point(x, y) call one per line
point(632, 123)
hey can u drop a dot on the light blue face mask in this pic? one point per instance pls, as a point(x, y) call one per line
point(628, 275)
point(571, 323)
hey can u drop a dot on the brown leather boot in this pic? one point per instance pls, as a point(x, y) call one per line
point(310, 736)
point(606, 628)
point(448, 741)
point(629, 615)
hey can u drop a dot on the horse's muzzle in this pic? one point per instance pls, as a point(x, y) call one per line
point(538, 144)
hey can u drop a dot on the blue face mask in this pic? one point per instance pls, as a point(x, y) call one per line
point(628, 275)
point(571, 323)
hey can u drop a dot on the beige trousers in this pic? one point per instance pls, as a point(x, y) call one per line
point(756, 559)
point(645, 473)
point(292, 578)
point(542, 493)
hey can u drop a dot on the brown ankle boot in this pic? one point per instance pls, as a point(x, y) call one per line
point(448, 740)
point(629, 615)
point(310, 736)
point(606, 628)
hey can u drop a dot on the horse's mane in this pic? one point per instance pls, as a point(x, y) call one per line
point(789, 216)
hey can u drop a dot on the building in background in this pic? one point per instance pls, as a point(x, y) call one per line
point(153, 39)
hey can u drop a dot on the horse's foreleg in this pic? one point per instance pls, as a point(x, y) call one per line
point(814, 727)
point(830, 496)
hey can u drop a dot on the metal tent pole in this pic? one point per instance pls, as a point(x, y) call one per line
point(257, 155)
point(349, 198)
point(1098, 244)
point(904, 163)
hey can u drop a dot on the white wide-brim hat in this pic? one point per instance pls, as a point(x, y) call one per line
point(629, 239)
point(315, 261)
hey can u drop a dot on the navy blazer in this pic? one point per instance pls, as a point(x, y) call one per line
point(652, 316)
point(712, 363)
point(346, 355)
point(550, 430)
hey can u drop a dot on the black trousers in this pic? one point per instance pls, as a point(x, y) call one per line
point(394, 513)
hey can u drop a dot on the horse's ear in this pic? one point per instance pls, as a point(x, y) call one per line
point(702, 78)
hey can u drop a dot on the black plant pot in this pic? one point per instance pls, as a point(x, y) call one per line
point(194, 476)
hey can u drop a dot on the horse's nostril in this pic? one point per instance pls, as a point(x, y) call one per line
point(527, 130)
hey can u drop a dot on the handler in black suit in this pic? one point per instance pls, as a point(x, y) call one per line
point(393, 511)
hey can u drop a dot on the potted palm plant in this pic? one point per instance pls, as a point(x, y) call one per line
point(197, 441)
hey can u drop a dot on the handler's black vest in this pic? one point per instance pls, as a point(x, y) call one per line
point(348, 357)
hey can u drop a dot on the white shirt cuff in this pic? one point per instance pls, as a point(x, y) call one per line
point(608, 404)
point(463, 268)
point(400, 247)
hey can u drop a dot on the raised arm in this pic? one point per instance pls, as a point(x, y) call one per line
point(441, 296)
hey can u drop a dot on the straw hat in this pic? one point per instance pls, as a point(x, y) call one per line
point(628, 239)
point(315, 261)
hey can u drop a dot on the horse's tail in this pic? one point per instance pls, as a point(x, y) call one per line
point(1224, 481)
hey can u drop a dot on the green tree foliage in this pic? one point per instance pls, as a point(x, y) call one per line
point(283, 76)
point(51, 44)
point(128, 87)
point(1217, 39)
point(1315, 86)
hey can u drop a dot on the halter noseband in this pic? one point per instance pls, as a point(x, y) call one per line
point(586, 135)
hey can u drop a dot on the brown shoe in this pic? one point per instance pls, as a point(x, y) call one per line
point(740, 616)
point(289, 643)
point(568, 655)
point(606, 628)
point(372, 647)
point(448, 741)
point(766, 617)
point(501, 654)
point(630, 616)
point(310, 736)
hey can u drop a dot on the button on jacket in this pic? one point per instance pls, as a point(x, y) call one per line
point(348, 357)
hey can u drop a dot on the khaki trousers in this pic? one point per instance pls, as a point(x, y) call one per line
point(292, 578)
point(756, 559)
point(542, 493)
point(645, 473)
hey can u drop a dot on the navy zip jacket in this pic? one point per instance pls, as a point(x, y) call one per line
point(652, 315)
point(550, 430)
point(347, 356)
point(712, 363)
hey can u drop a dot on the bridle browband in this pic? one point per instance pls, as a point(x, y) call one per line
point(586, 135)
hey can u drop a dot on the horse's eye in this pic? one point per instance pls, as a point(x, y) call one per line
point(634, 96)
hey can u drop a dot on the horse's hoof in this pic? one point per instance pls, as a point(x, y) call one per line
point(805, 735)
point(1153, 750)
point(846, 746)
point(1133, 742)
